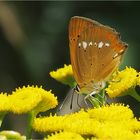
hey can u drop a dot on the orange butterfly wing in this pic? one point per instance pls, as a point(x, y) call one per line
point(90, 62)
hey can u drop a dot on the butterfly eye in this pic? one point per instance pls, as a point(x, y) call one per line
point(77, 89)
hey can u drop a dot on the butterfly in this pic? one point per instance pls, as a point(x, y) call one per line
point(95, 51)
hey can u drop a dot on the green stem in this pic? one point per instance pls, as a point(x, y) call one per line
point(132, 92)
point(31, 116)
point(2, 115)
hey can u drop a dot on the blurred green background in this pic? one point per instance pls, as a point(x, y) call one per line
point(34, 40)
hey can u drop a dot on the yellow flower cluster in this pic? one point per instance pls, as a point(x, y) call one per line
point(100, 123)
point(122, 81)
point(64, 75)
point(27, 99)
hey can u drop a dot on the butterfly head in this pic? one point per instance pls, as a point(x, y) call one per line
point(90, 87)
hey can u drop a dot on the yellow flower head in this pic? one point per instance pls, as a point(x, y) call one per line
point(48, 101)
point(65, 136)
point(31, 98)
point(64, 75)
point(4, 102)
point(107, 122)
point(113, 112)
point(70, 122)
point(122, 82)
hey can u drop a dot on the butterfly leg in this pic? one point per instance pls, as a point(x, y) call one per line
point(104, 99)
point(90, 97)
point(94, 98)
point(100, 96)
point(85, 100)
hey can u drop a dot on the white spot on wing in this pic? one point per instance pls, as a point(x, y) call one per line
point(84, 44)
point(107, 44)
point(90, 43)
point(79, 44)
point(121, 51)
point(95, 44)
point(100, 45)
point(115, 55)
